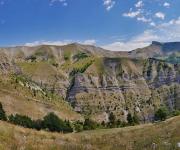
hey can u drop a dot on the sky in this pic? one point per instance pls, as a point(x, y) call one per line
point(119, 25)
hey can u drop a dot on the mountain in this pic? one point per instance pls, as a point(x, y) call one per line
point(82, 80)
point(166, 51)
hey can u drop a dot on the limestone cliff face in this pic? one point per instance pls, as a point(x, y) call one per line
point(126, 85)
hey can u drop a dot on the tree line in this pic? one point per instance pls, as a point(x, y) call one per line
point(51, 122)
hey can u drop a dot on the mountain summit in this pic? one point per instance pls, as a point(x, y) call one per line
point(157, 49)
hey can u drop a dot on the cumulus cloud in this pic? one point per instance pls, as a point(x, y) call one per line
point(109, 4)
point(143, 19)
point(139, 4)
point(132, 14)
point(146, 15)
point(139, 13)
point(153, 24)
point(166, 4)
point(160, 15)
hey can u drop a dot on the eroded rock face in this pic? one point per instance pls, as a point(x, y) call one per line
point(127, 85)
point(7, 65)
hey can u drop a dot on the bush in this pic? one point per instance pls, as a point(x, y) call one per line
point(37, 124)
point(130, 119)
point(53, 123)
point(135, 119)
point(89, 124)
point(112, 120)
point(161, 113)
point(21, 120)
point(78, 126)
point(176, 113)
point(2, 113)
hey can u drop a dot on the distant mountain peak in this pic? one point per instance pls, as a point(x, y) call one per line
point(157, 43)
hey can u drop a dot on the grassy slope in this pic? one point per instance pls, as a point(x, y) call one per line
point(18, 99)
point(166, 135)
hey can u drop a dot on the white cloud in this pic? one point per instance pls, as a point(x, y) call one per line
point(160, 15)
point(60, 43)
point(153, 24)
point(89, 42)
point(170, 31)
point(109, 4)
point(124, 46)
point(172, 22)
point(36, 43)
point(139, 15)
point(166, 4)
point(63, 2)
point(132, 14)
point(138, 41)
point(139, 4)
point(165, 32)
point(143, 19)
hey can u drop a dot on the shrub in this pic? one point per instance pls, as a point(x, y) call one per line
point(2, 113)
point(78, 126)
point(54, 123)
point(135, 119)
point(161, 113)
point(81, 55)
point(37, 124)
point(130, 119)
point(112, 120)
point(21, 120)
point(176, 113)
point(89, 124)
point(120, 124)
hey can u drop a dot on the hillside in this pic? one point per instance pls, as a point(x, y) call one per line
point(81, 80)
point(163, 135)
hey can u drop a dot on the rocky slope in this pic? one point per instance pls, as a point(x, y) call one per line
point(93, 81)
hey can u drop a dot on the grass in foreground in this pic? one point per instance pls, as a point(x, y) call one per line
point(163, 136)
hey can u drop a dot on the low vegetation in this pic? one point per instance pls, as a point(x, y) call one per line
point(161, 136)
point(50, 122)
point(53, 123)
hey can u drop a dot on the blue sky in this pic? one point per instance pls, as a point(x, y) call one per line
point(111, 24)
